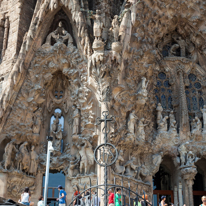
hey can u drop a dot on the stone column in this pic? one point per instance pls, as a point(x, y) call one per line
point(188, 174)
point(175, 195)
point(3, 183)
point(180, 194)
point(183, 110)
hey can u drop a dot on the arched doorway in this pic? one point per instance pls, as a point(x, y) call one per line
point(55, 178)
point(163, 182)
point(199, 186)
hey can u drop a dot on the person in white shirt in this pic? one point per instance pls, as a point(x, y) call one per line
point(41, 201)
point(26, 198)
point(95, 201)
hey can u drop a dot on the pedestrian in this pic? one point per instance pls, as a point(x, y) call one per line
point(77, 201)
point(143, 201)
point(203, 200)
point(118, 197)
point(41, 201)
point(162, 203)
point(111, 198)
point(62, 196)
point(26, 197)
point(95, 201)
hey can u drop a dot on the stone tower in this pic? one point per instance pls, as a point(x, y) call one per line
point(64, 62)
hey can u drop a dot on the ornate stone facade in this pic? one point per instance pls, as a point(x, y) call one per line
point(143, 61)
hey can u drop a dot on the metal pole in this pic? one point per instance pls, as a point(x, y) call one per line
point(49, 150)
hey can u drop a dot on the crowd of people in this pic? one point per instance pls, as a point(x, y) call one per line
point(86, 198)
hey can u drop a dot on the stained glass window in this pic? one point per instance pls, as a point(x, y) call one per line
point(163, 91)
point(194, 94)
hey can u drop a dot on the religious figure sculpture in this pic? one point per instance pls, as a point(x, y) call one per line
point(159, 113)
point(142, 93)
point(34, 161)
point(191, 159)
point(183, 151)
point(143, 171)
point(131, 168)
point(59, 35)
point(115, 28)
point(140, 129)
point(58, 137)
point(98, 25)
point(87, 157)
point(173, 129)
point(37, 121)
point(182, 45)
point(196, 128)
point(131, 122)
point(203, 110)
point(76, 120)
point(73, 163)
point(10, 147)
point(162, 127)
point(25, 157)
point(119, 169)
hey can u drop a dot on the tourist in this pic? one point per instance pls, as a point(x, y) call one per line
point(95, 201)
point(144, 197)
point(62, 196)
point(162, 203)
point(77, 200)
point(41, 201)
point(111, 198)
point(118, 197)
point(26, 197)
point(203, 200)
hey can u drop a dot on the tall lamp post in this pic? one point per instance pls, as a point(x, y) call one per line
point(49, 150)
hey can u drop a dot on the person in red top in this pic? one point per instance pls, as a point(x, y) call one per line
point(111, 198)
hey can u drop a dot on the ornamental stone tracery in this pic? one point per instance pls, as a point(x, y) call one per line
point(143, 62)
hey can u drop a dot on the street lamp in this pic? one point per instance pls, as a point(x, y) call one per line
point(49, 150)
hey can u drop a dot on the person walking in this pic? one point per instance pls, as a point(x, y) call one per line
point(26, 197)
point(78, 199)
point(162, 203)
point(62, 196)
point(111, 198)
point(118, 197)
point(143, 202)
point(41, 201)
point(203, 201)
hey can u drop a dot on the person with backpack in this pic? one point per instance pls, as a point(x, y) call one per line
point(203, 201)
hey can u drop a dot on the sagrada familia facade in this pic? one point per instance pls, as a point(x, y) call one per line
point(64, 62)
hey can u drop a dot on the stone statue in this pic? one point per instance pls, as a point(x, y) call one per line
point(25, 157)
point(119, 169)
point(172, 116)
point(10, 147)
point(142, 93)
point(53, 4)
point(37, 121)
point(159, 113)
point(34, 161)
point(196, 126)
point(131, 168)
point(115, 28)
point(131, 122)
point(76, 120)
point(173, 129)
point(53, 129)
point(98, 25)
point(87, 157)
point(183, 151)
point(203, 110)
point(58, 136)
point(162, 127)
point(190, 159)
point(182, 45)
point(143, 171)
point(73, 163)
point(59, 35)
point(156, 161)
point(140, 129)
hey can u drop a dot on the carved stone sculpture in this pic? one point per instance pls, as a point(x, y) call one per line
point(10, 147)
point(131, 168)
point(159, 113)
point(25, 157)
point(140, 129)
point(142, 93)
point(76, 120)
point(196, 129)
point(87, 157)
point(182, 45)
point(183, 151)
point(132, 122)
point(162, 127)
point(34, 161)
point(37, 121)
point(98, 25)
point(119, 168)
point(203, 110)
point(115, 28)
point(73, 163)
